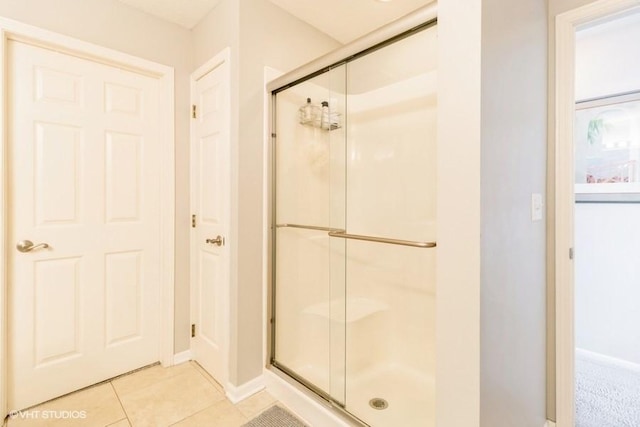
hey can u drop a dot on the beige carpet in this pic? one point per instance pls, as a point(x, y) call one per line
point(607, 394)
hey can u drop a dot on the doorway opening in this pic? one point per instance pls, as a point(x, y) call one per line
point(597, 184)
point(606, 225)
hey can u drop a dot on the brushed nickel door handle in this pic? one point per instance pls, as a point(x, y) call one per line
point(219, 240)
point(28, 246)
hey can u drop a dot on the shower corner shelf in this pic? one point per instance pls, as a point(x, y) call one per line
point(318, 125)
point(314, 118)
point(357, 308)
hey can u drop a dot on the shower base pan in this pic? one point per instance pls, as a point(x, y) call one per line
point(409, 397)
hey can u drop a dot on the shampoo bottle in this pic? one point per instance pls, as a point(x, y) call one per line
point(307, 111)
point(324, 122)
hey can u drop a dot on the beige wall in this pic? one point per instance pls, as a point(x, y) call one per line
point(514, 143)
point(491, 258)
point(218, 30)
point(111, 24)
point(264, 36)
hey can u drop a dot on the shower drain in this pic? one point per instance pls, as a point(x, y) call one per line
point(378, 403)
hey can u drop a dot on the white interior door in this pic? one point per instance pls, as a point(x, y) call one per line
point(84, 179)
point(210, 196)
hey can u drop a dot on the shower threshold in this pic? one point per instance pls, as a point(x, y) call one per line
point(403, 396)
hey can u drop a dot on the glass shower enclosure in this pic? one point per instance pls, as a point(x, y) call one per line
point(354, 230)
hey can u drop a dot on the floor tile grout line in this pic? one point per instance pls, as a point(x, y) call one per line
point(116, 422)
point(155, 382)
point(161, 380)
point(83, 389)
point(210, 381)
point(197, 412)
point(200, 371)
point(208, 377)
point(126, 414)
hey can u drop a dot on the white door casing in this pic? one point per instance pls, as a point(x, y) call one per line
point(210, 203)
point(563, 146)
point(60, 153)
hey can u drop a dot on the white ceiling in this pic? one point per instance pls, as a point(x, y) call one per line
point(344, 20)
point(186, 13)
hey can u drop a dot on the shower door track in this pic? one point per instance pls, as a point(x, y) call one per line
point(417, 21)
point(335, 404)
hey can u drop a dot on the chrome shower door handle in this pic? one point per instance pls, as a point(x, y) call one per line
point(28, 246)
point(219, 240)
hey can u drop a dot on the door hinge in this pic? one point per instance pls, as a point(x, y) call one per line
point(193, 221)
point(193, 330)
point(193, 112)
point(571, 253)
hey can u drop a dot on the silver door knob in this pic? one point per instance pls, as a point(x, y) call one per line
point(219, 240)
point(28, 246)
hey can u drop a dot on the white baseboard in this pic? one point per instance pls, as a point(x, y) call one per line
point(238, 393)
point(312, 411)
point(549, 424)
point(609, 360)
point(182, 357)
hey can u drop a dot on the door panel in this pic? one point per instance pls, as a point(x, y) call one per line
point(57, 310)
point(83, 178)
point(123, 177)
point(210, 267)
point(57, 164)
point(123, 276)
point(209, 166)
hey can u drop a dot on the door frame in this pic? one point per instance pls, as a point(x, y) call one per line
point(566, 25)
point(11, 30)
point(269, 74)
point(221, 58)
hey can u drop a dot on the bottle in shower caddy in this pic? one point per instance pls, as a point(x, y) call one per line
point(306, 112)
point(334, 116)
point(325, 119)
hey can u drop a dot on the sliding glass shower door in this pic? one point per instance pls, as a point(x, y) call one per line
point(309, 271)
point(355, 230)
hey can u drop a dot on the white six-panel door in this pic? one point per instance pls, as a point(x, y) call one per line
point(210, 194)
point(84, 179)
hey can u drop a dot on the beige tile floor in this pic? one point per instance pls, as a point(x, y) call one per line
point(183, 395)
